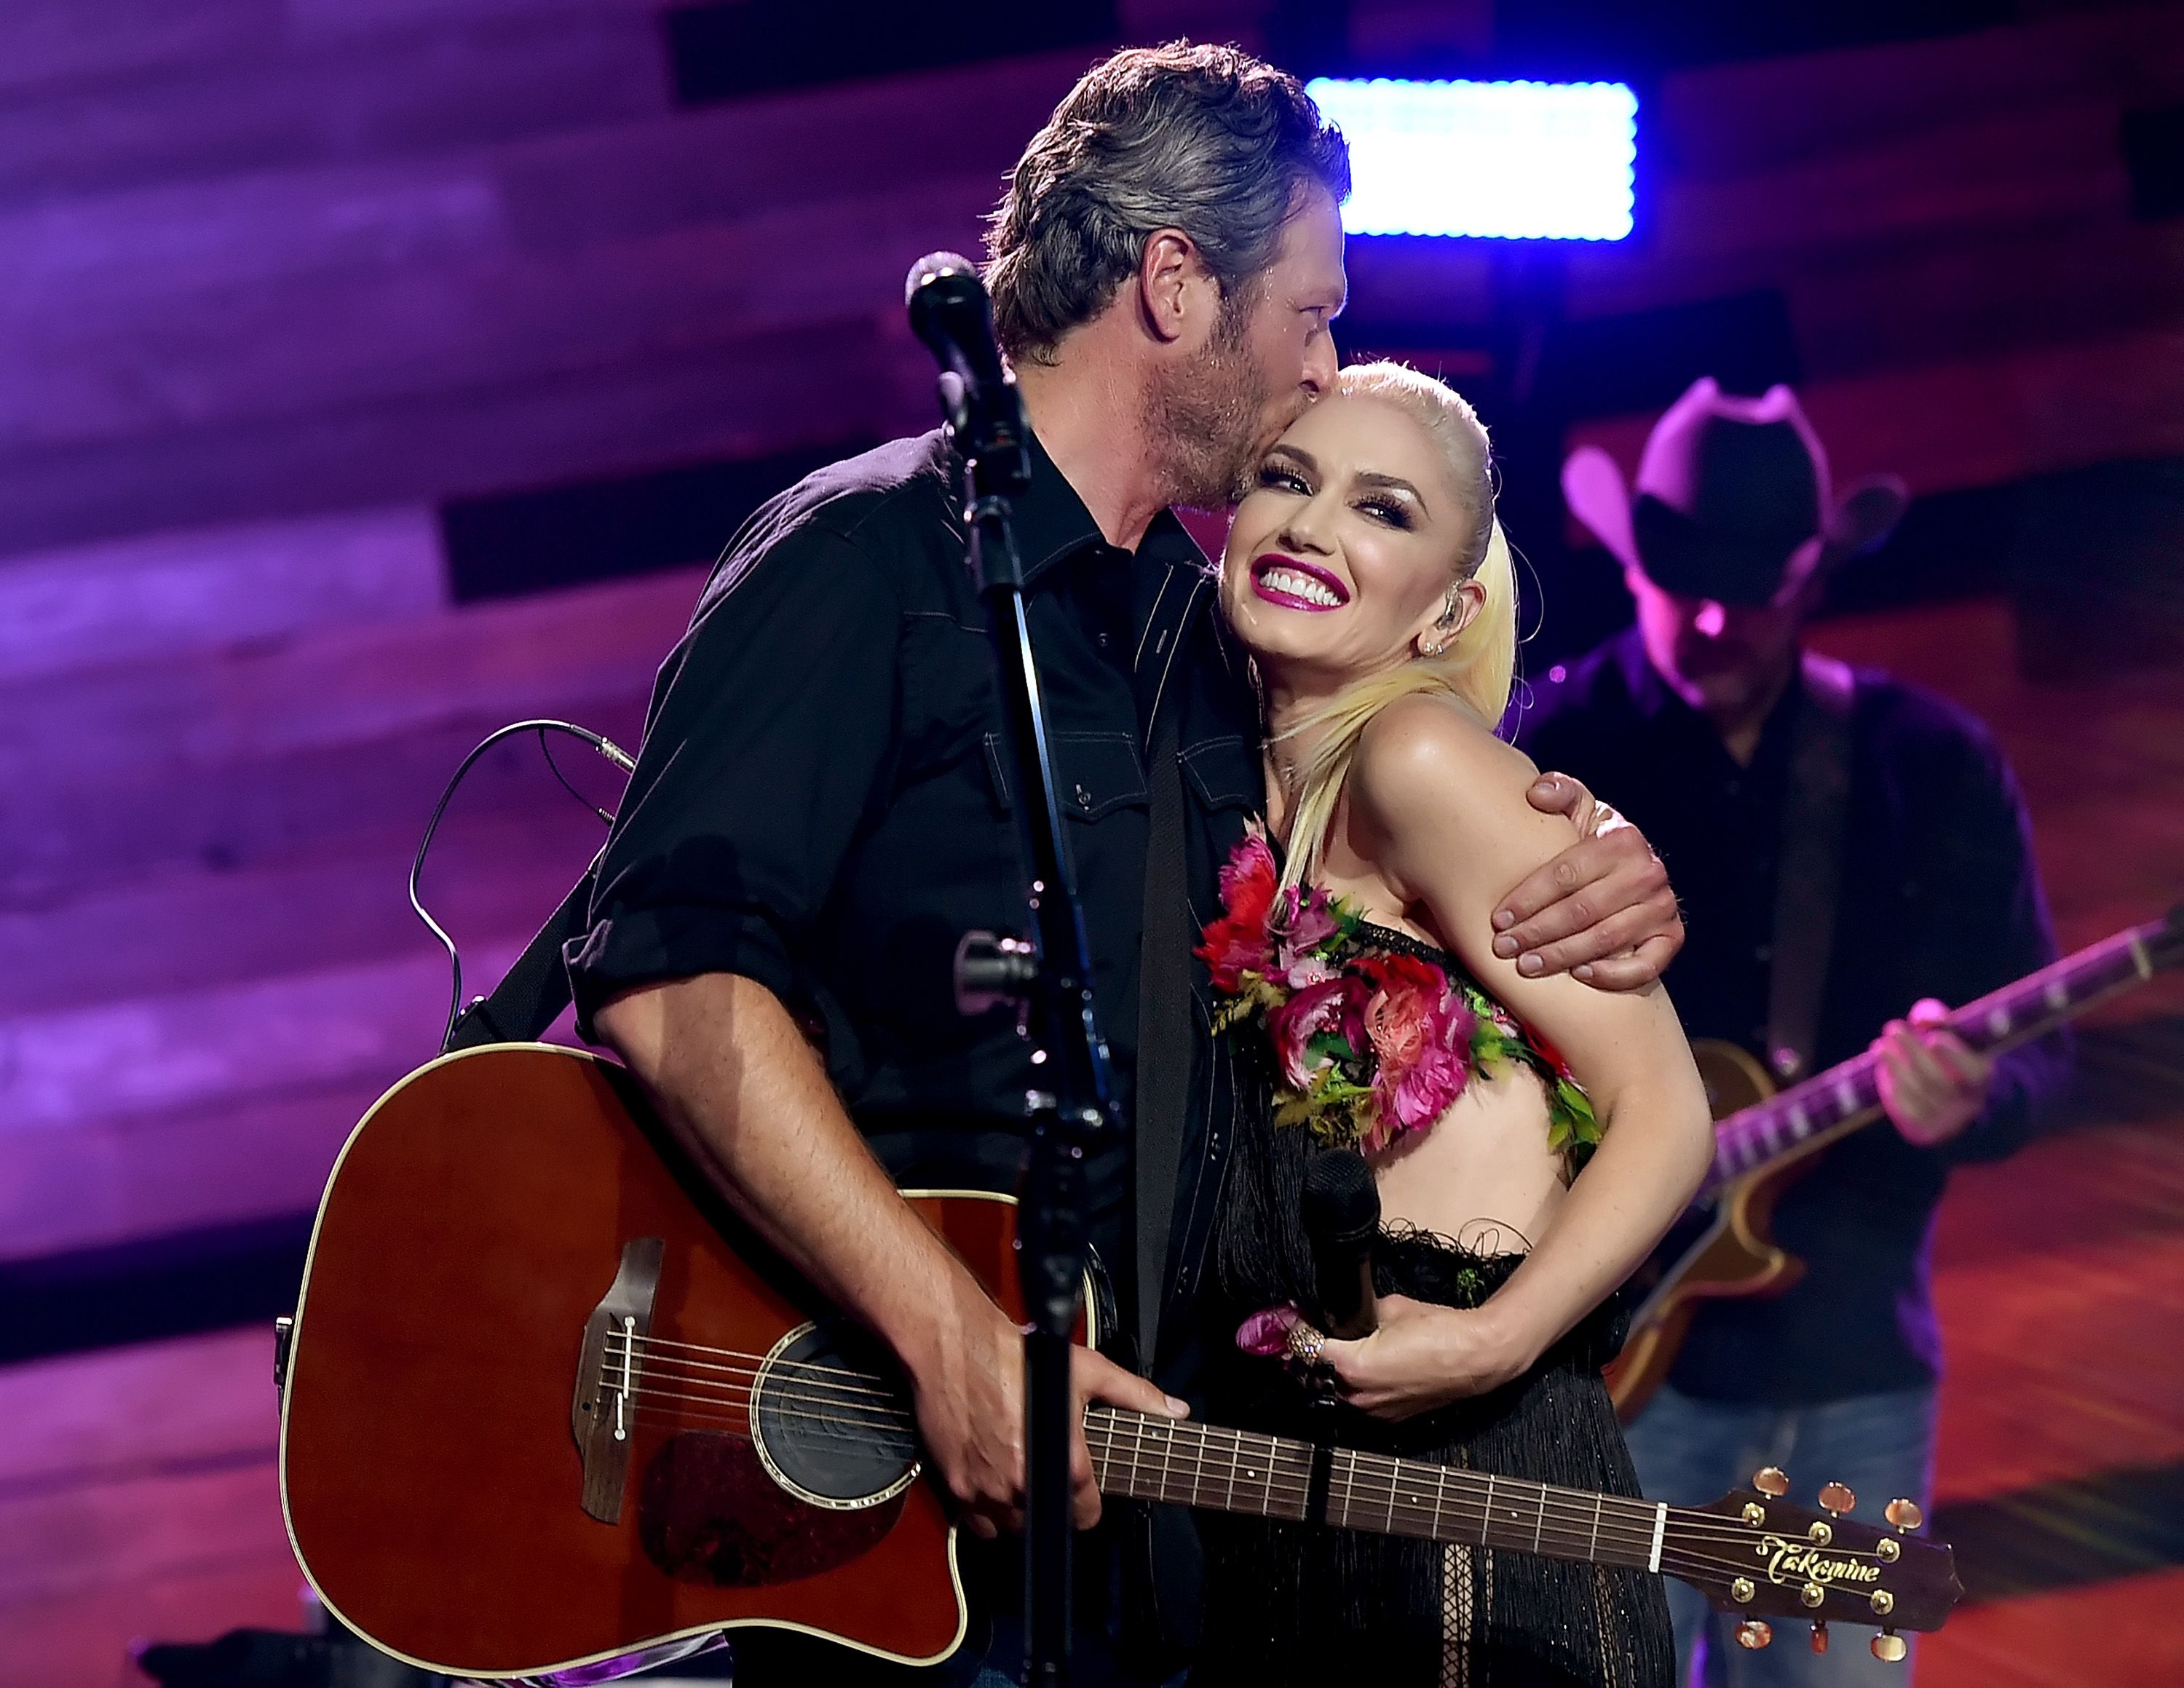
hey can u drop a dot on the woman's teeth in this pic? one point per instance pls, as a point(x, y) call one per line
point(1299, 585)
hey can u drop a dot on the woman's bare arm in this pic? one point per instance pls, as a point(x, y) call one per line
point(1437, 805)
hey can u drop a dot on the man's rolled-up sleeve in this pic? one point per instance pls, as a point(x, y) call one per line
point(768, 739)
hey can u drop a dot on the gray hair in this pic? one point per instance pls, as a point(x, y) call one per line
point(1204, 139)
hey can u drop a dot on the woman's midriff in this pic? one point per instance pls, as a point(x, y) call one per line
point(1483, 1165)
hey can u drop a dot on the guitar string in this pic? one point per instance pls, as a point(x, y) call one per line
point(889, 1418)
point(1452, 1519)
point(2083, 984)
point(801, 1366)
point(1382, 1482)
point(1566, 1516)
point(1374, 1490)
point(644, 1341)
point(1673, 1561)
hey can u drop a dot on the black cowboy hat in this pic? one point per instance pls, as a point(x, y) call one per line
point(1731, 492)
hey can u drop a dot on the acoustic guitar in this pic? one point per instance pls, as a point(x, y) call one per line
point(1763, 1142)
point(545, 1404)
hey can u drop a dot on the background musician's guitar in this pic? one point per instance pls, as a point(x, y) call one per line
point(1763, 1142)
point(546, 1404)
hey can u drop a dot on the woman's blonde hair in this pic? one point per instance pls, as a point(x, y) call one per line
point(1475, 666)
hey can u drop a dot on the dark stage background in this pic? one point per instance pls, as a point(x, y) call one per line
point(375, 372)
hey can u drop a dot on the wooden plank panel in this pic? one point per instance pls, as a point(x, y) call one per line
point(802, 149)
point(2065, 1301)
point(2084, 755)
point(219, 1046)
point(863, 376)
point(127, 600)
point(2011, 169)
point(224, 356)
point(2114, 1632)
point(82, 1639)
point(88, 1184)
point(492, 870)
point(138, 1496)
point(126, 254)
point(1978, 423)
point(76, 1542)
point(200, 1401)
point(339, 686)
point(1729, 119)
point(91, 841)
point(270, 104)
point(62, 42)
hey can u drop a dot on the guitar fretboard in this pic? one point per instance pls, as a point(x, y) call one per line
point(1240, 1471)
point(1850, 1093)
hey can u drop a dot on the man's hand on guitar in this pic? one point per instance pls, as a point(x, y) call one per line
point(1932, 1082)
point(1603, 910)
point(971, 1414)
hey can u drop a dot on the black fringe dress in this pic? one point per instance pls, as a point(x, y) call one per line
point(1306, 1604)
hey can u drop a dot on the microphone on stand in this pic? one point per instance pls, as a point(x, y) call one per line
point(1342, 1212)
point(952, 313)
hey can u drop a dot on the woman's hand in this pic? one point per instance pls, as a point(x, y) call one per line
point(1424, 1356)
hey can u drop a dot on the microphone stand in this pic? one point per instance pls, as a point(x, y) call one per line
point(1051, 976)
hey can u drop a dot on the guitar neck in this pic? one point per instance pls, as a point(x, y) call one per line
point(1205, 1466)
point(1849, 1094)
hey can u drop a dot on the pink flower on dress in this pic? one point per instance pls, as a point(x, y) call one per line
point(1267, 1331)
point(1300, 924)
point(1236, 943)
point(1421, 1034)
point(1334, 1006)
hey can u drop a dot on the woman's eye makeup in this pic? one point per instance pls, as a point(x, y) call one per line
point(1281, 475)
point(1389, 510)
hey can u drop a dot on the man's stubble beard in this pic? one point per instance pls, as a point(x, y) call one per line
point(1206, 419)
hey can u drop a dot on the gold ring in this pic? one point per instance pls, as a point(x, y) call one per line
point(1306, 1341)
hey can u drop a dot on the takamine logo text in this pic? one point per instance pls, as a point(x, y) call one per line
point(1795, 1562)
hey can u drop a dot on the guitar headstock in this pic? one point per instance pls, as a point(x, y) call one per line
point(1752, 1553)
point(2165, 941)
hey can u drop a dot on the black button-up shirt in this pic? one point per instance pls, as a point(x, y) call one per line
point(1939, 898)
point(822, 802)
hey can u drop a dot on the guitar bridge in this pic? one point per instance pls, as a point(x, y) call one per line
point(603, 1416)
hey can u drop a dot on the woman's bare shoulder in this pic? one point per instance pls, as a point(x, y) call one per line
point(1429, 758)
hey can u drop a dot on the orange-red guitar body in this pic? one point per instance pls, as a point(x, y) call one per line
point(432, 1462)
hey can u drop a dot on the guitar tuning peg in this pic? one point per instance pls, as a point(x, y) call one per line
point(1753, 1634)
point(1890, 1648)
point(1820, 1637)
point(1904, 1514)
point(1771, 1481)
point(1837, 1499)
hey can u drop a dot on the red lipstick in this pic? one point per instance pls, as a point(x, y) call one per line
point(1290, 581)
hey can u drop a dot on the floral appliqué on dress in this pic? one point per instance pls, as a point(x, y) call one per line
point(1368, 1042)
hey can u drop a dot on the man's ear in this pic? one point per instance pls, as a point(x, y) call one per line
point(1174, 285)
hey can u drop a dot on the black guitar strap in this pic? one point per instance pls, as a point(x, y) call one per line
point(533, 992)
point(1164, 1031)
point(1815, 811)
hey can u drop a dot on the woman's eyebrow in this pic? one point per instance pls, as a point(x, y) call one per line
point(1367, 478)
point(1303, 460)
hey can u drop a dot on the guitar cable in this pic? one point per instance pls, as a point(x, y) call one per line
point(606, 748)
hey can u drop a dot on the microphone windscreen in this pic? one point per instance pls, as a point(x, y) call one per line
point(932, 264)
point(1341, 1202)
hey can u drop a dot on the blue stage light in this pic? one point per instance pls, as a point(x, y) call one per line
point(1513, 160)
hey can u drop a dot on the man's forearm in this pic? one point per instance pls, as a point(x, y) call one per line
point(745, 1095)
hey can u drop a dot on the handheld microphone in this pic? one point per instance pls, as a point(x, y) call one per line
point(1342, 1212)
point(950, 312)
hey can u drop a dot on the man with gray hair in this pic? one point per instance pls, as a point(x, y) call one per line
point(819, 808)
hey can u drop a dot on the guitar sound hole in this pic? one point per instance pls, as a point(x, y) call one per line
point(831, 1419)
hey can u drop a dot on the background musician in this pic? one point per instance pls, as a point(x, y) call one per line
point(1853, 853)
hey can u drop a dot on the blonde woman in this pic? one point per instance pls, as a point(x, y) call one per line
point(1531, 1138)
